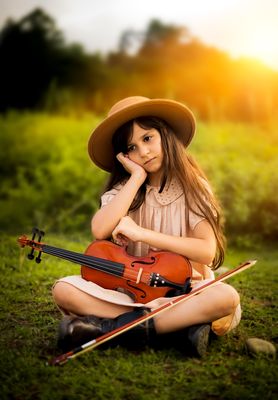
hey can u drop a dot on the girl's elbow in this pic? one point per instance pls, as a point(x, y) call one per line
point(209, 255)
point(98, 235)
point(98, 231)
point(208, 259)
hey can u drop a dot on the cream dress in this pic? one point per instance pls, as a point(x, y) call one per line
point(162, 212)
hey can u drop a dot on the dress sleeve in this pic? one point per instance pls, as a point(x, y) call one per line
point(194, 218)
point(109, 195)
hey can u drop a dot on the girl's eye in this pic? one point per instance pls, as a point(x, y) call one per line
point(130, 148)
point(147, 138)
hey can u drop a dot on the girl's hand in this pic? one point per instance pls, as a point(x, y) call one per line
point(127, 230)
point(131, 166)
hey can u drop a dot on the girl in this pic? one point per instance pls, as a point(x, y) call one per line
point(156, 198)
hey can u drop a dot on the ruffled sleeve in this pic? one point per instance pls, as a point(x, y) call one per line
point(194, 220)
point(108, 196)
point(196, 216)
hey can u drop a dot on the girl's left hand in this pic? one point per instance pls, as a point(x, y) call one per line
point(127, 230)
point(131, 166)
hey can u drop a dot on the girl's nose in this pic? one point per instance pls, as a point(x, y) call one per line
point(144, 151)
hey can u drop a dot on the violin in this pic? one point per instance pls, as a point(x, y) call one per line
point(159, 274)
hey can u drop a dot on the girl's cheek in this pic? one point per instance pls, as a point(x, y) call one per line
point(133, 157)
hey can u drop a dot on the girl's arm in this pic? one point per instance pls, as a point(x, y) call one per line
point(107, 217)
point(201, 247)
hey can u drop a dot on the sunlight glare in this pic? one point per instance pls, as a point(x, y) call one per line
point(262, 46)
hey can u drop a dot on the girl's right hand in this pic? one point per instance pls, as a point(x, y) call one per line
point(132, 167)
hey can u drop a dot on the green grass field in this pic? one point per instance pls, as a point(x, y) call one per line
point(29, 321)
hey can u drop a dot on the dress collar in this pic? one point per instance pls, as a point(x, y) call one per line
point(170, 193)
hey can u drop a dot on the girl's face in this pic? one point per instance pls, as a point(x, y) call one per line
point(144, 148)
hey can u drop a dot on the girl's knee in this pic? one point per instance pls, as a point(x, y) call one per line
point(232, 298)
point(60, 291)
point(234, 295)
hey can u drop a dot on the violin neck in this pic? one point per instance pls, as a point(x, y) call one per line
point(99, 264)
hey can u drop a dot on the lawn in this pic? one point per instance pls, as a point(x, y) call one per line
point(29, 321)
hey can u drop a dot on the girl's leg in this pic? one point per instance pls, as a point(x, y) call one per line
point(213, 303)
point(208, 306)
point(74, 331)
point(78, 302)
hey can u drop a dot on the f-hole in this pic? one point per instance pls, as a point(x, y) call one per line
point(144, 262)
point(143, 293)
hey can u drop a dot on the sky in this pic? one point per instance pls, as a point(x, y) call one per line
point(239, 27)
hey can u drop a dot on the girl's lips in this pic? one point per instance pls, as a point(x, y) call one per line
point(149, 161)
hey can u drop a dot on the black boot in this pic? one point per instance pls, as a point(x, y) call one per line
point(192, 341)
point(198, 337)
point(75, 331)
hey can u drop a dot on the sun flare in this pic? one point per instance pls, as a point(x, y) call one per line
point(261, 43)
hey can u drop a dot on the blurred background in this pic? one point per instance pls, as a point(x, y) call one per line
point(64, 63)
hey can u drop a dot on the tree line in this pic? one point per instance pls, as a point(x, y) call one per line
point(39, 70)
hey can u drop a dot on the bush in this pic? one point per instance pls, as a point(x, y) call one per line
point(47, 177)
point(242, 164)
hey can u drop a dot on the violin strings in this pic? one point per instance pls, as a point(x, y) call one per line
point(84, 257)
point(98, 264)
point(80, 259)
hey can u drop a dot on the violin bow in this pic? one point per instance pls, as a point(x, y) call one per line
point(62, 359)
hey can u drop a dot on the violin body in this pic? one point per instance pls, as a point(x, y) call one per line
point(139, 273)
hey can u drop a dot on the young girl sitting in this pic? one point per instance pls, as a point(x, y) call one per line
point(157, 198)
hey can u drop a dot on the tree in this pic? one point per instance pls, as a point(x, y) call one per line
point(34, 57)
point(28, 52)
point(159, 36)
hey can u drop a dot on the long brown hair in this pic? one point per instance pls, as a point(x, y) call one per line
point(179, 164)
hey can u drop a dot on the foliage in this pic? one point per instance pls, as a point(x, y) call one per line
point(29, 321)
point(48, 180)
point(39, 70)
point(241, 161)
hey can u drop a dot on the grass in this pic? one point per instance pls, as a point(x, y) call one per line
point(28, 330)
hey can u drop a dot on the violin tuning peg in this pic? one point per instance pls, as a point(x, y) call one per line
point(34, 232)
point(41, 234)
point(38, 259)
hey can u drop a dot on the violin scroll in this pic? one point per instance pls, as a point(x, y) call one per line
point(35, 245)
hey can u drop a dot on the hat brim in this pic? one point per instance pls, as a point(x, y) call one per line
point(177, 115)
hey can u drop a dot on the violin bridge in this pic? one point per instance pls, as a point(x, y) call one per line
point(139, 275)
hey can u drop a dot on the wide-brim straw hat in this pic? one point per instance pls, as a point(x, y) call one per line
point(176, 114)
